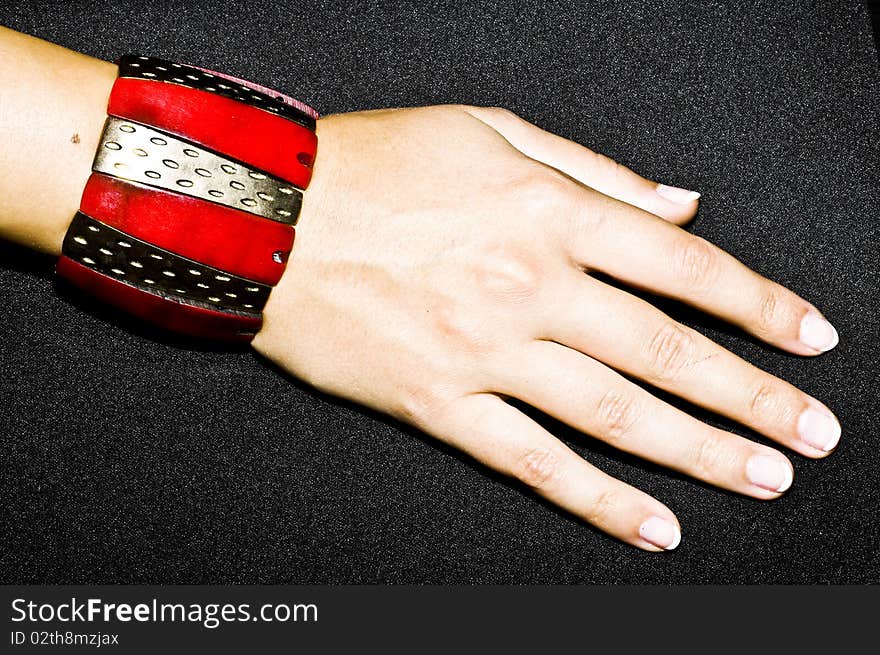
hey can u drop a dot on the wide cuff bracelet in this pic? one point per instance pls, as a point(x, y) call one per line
point(187, 220)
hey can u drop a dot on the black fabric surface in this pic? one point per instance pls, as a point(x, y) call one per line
point(131, 458)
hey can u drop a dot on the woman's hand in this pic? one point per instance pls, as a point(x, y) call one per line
point(442, 265)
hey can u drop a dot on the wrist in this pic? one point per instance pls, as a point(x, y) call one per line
point(297, 280)
point(53, 108)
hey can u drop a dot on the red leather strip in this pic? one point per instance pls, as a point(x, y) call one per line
point(232, 128)
point(167, 313)
point(225, 238)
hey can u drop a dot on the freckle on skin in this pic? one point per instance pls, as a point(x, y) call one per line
point(75, 138)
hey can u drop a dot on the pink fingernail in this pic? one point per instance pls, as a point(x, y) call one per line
point(769, 473)
point(818, 429)
point(661, 533)
point(676, 194)
point(817, 333)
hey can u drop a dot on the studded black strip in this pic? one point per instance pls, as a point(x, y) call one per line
point(136, 262)
point(152, 68)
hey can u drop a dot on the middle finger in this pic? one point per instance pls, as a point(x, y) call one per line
point(632, 336)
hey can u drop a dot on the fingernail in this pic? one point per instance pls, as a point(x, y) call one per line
point(769, 473)
point(817, 333)
point(676, 194)
point(660, 532)
point(818, 429)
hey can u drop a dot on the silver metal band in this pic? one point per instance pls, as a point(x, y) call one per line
point(118, 255)
point(152, 68)
point(135, 152)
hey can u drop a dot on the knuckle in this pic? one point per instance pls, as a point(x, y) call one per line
point(504, 273)
point(617, 414)
point(502, 114)
point(768, 404)
point(544, 192)
point(695, 263)
point(603, 507)
point(539, 468)
point(463, 329)
point(774, 313)
point(669, 352)
point(763, 401)
point(609, 167)
point(711, 457)
point(418, 402)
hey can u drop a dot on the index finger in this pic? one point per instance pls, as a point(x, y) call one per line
point(651, 254)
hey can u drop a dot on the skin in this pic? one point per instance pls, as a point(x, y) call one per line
point(443, 265)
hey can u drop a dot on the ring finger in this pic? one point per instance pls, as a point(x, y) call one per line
point(589, 396)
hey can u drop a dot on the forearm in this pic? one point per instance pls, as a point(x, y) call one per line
point(53, 103)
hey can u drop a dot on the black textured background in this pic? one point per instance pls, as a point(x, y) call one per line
point(127, 458)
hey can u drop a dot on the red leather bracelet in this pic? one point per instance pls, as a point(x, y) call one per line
point(187, 219)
